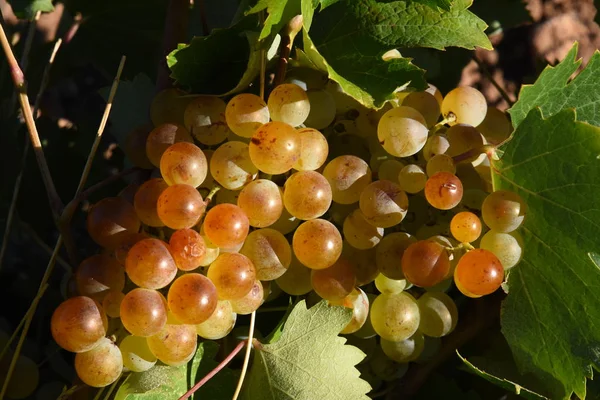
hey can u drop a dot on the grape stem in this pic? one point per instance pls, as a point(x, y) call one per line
point(212, 373)
point(26, 50)
point(238, 389)
point(487, 149)
point(489, 76)
point(211, 194)
point(451, 117)
point(288, 34)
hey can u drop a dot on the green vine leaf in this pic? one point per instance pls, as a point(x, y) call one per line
point(309, 361)
point(551, 318)
point(28, 8)
point(280, 12)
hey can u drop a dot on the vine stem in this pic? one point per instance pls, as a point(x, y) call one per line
point(238, 389)
point(489, 76)
point(212, 373)
point(288, 34)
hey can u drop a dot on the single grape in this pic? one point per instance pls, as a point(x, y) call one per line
point(439, 314)
point(436, 93)
point(443, 190)
point(389, 286)
point(184, 163)
point(137, 356)
point(426, 104)
point(440, 163)
point(322, 109)
point(204, 118)
point(212, 251)
point(313, 150)
point(275, 147)
point(233, 275)
point(425, 263)
point(220, 323)
point(317, 244)
point(467, 104)
point(111, 303)
point(465, 227)
point(358, 301)
point(367, 331)
point(187, 248)
point(496, 126)
point(261, 202)
point(395, 317)
point(250, 302)
point(412, 178)
point(508, 247)
point(209, 183)
point(383, 204)
point(135, 146)
point(400, 134)
point(174, 345)
point(192, 298)
point(226, 225)
point(405, 350)
point(78, 324)
point(335, 282)
point(363, 261)
point(306, 78)
point(388, 254)
point(436, 144)
point(168, 106)
point(231, 167)
point(270, 253)
point(180, 206)
point(110, 220)
point(150, 264)
point(464, 138)
point(478, 273)
point(145, 201)
point(99, 274)
point(307, 195)
point(361, 233)
point(347, 176)
point(289, 103)
point(389, 170)
point(296, 280)
point(101, 365)
point(245, 113)
point(162, 137)
point(144, 312)
point(503, 211)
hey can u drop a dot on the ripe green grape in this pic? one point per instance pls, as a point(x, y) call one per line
point(180, 206)
point(405, 350)
point(465, 227)
point(275, 147)
point(443, 190)
point(360, 233)
point(426, 104)
point(184, 163)
point(101, 365)
point(296, 280)
point(358, 301)
point(289, 103)
point(78, 324)
point(231, 167)
point(395, 316)
point(150, 265)
point(432, 89)
point(389, 286)
point(440, 163)
point(400, 134)
point(363, 261)
point(111, 304)
point(383, 204)
point(508, 247)
point(137, 356)
point(192, 298)
point(250, 302)
point(317, 244)
point(168, 106)
point(162, 137)
point(226, 225)
point(220, 323)
point(425, 263)
point(388, 254)
point(496, 126)
point(503, 211)
point(367, 331)
point(175, 344)
point(187, 248)
point(347, 176)
point(144, 312)
point(245, 113)
point(412, 178)
point(439, 314)
point(135, 146)
point(261, 202)
point(335, 282)
point(322, 109)
point(270, 253)
point(478, 273)
point(233, 275)
point(436, 144)
point(307, 195)
point(464, 138)
point(467, 104)
point(145, 201)
point(204, 118)
point(389, 170)
point(97, 275)
point(111, 220)
point(313, 150)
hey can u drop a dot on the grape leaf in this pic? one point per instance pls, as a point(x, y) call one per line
point(551, 93)
point(309, 361)
point(280, 12)
point(551, 318)
point(28, 8)
point(443, 4)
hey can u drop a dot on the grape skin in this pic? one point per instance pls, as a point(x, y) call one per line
point(112, 303)
point(97, 275)
point(220, 323)
point(192, 298)
point(383, 204)
point(137, 356)
point(250, 302)
point(439, 163)
point(363, 261)
point(261, 202)
point(245, 113)
point(78, 324)
point(143, 312)
point(508, 247)
point(406, 350)
point(101, 365)
point(439, 314)
point(426, 104)
point(358, 301)
point(231, 166)
point(233, 275)
point(395, 317)
point(467, 104)
point(335, 282)
point(180, 206)
point(443, 190)
point(503, 211)
point(412, 178)
point(296, 280)
point(313, 150)
point(145, 201)
point(496, 126)
point(204, 117)
point(322, 109)
point(111, 220)
point(135, 146)
point(226, 225)
point(425, 263)
point(478, 273)
point(389, 253)
point(360, 233)
point(184, 163)
point(187, 248)
point(367, 331)
point(436, 144)
point(275, 148)
point(270, 253)
point(347, 176)
point(174, 345)
point(162, 137)
point(289, 103)
point(389, 286)
point(307, 195)
point(465, 227)
point(149, 264)
point(317, 244)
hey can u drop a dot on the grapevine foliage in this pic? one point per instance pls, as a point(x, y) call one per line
point(28, 8)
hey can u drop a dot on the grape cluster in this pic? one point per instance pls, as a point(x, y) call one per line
point(378, 211)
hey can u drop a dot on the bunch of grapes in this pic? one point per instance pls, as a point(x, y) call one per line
point(378, 211)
